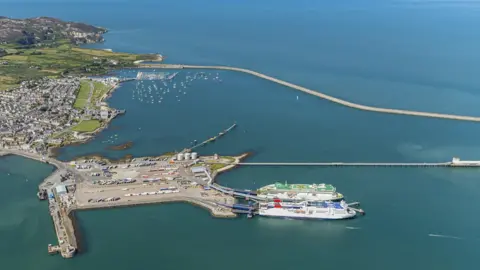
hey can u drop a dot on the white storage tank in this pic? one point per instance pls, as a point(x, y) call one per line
point(180, 156)
point(187, 156)
point(194, 155)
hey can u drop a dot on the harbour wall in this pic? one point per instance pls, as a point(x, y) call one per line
point(318, 94)
point(77, 230)
point(210, 206)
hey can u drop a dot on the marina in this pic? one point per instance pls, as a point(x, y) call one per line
point(152, 87)
point(317, 93)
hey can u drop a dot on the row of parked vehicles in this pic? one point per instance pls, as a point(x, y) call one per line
point(114, 182)
point(110, 199)
point(161, 191)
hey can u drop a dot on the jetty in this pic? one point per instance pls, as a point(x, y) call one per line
point(346, 164)
point(212, 138)
point(67, 242)
point(317, 93)
point(455, 163)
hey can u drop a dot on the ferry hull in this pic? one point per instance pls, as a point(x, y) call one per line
point(316, 216)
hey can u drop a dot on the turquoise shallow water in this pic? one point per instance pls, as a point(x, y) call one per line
point(420, 56)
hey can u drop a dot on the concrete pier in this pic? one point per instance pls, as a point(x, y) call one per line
point(343, 164)
point(318, 94)
point(67, 243)
point(455, 163)
point(222, 133)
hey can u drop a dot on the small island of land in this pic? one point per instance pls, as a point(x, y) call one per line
point(122, 146)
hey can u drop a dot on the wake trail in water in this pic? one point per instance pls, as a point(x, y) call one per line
point(445, 236)
point(353, 228)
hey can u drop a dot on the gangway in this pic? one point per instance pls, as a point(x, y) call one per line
point(245, 191)
point(247, 194)
point(235, 193)
point(240, 208)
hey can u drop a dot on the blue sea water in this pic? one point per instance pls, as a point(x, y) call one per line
point(419, 55)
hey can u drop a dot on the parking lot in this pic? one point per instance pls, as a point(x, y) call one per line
point(141, 180)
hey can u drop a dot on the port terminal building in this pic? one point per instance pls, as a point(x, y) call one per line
point(469, 163)
point(61, 189)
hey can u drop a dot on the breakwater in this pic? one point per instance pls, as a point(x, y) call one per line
point(213, 138)
point(319, 94)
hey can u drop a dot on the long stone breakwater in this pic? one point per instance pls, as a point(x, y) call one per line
point(318, 94)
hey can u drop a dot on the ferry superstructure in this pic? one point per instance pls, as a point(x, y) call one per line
point(299, 192)
point(307, 210)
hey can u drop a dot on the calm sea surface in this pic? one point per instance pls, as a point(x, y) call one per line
point(418, 55)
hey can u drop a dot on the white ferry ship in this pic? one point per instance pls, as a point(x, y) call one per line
point(307, 210)
point(299, 192)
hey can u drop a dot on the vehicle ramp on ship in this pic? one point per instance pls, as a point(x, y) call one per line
point(247, 194)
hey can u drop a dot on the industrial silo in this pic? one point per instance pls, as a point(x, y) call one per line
point(194, 155)
point(187, 156)
point(180, 156)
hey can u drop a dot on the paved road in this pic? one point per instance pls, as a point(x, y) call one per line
point(90, 94)
point(62, 168)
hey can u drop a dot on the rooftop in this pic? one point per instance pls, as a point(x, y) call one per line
point(198, 169)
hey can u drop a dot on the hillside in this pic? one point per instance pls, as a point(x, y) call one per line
point(47, 30)
point(40, 47)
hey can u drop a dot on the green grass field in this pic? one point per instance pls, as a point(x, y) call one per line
point(217, 166)
point(104, 53)
point(87, 126)
point(32, 63)
point(82, 95)
point(99, 90)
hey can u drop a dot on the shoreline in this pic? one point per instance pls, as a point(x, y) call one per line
point(63, 209)
point(112, 88)
point(159, 58)
point(54, 151)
